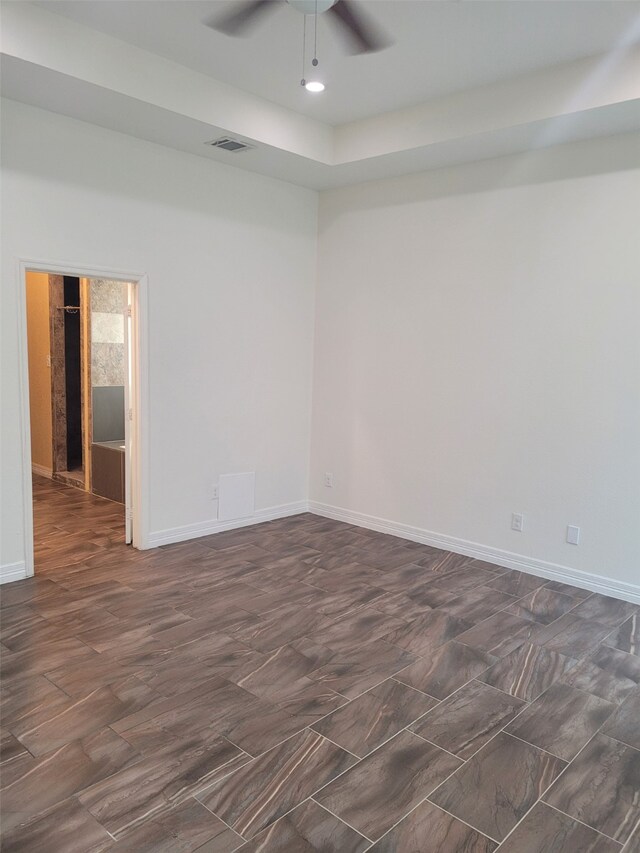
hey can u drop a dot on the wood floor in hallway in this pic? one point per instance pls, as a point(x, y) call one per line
point(305, 685)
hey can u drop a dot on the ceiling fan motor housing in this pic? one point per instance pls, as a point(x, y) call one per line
point(309, 7)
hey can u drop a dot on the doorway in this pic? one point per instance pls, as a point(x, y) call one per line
point(82, 399)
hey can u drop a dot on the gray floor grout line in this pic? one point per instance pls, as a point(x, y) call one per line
point(437, 746)
point(391, 737)
point(343, 748)
point(535, 745)
point(577, 820)
point(617, 739)
point(539, 799)
point(455, 817)
point(426, 798)
point(342, 820)
point(311, 796)
point(205, 806)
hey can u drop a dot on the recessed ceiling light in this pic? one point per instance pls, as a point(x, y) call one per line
point(314, 86)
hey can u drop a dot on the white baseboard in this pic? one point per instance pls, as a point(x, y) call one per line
point(13, 572)
point(41, 471)
point(530, 565)
point(206, 528)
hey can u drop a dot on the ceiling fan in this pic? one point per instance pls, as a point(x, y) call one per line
point(364, 35)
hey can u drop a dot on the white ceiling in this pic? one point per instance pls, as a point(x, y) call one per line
point(439, 46)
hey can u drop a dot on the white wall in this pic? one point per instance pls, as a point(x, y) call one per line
point(231, 263)
point(478, 353)
point(477, 348)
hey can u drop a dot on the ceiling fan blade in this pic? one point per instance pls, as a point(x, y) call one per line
point(241, 17)
point(365, 36)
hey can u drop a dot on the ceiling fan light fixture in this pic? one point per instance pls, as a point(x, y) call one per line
point(314, 86)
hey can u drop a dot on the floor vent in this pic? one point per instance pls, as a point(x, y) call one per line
point(229, 144)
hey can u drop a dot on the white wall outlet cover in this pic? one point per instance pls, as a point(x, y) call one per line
point(517, 521)
point(236, 496)
point(573, 534)
point(328, 480)
point(215, 492)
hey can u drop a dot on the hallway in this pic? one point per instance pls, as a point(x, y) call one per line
point(71, 525)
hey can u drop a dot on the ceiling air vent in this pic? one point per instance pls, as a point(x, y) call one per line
point(229, 144)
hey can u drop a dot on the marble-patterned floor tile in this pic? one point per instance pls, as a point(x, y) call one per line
point(566, 589)
point(464, 579)
point(82, 716)
point(307, 829)
point(26, 591)
point(427, 829)
point(53, 778)
point(21, 694)
point(477, 604)
point(211, 656)
point(311, 705)
point(627, 636)
point(368, 721)
point(268, 787)
point(542, 605)
point(606, 610)
point(632, 844)
point(186, 828)
point(427, 632)
point(10, 747)
point(501, 634)
point(157, 782)
point(601, 787)
point(34, 637)
point(84, 620)
point(343, 602)
point(517, 583)
point(44, 657)
point(19, 618)
point(380, 790)
point(170, 672)
point(413, 603)
point(65, 828)
point(403, 577)
point(242, 718)
point(443, 563)
point(129, 633)
point(498, 785)
point(276, 675)
point(545, 830)
point(445, 669)
point(352, 672)
point(207, 688)
point(528, 671)
point(606, 672)
point(562, 720)
point(467, 720)
point(572, 635)
point(278, 627)
point(624, 724)
point(362, 626)
point(186, 633)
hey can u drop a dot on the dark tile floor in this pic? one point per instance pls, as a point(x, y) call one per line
point(304, 685)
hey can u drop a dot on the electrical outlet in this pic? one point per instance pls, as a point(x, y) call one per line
point(573, 534)
point(328, 480)
point(517, 521)
point(215, 493)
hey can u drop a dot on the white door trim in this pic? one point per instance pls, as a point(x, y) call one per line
point(139, 397)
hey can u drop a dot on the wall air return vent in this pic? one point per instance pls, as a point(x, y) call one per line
point(229, 144)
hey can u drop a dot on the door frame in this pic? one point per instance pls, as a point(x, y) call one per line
point(139, 355)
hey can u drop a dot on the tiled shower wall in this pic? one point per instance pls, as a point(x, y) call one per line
point(108, 302)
